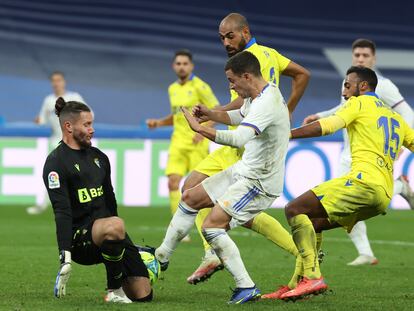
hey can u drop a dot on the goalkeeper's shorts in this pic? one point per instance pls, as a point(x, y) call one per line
point(85, 252)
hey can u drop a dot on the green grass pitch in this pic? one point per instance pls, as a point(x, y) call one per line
point(29, 263)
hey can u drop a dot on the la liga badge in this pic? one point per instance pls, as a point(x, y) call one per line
point(53, 179)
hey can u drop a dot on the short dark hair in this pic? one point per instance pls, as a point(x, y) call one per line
point(365, 74)
point(243, 62)
point(364, 43)
point(69, 110)
point(56, 73)
point(184, 52)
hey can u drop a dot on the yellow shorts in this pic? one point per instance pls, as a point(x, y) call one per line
point(219, 160)
point(348, 200)
point(181, 161)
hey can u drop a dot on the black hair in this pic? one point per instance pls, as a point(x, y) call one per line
point(364, 43)
point(184, 52)
point(63, 108)
point(365, 74)
point(243, 62)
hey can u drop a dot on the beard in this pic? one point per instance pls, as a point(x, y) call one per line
point(81, 139)
point(240, 47)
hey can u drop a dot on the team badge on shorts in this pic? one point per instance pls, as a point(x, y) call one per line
point(53, 180)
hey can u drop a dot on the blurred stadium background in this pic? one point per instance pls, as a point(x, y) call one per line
point(118, 53)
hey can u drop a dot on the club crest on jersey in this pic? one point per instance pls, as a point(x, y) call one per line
point(98, 164)
point(77, 167)
point(53, 180)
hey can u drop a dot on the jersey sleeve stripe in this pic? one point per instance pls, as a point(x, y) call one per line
point(396, 104)
point(256, 129)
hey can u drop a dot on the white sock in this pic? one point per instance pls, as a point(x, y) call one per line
point(398, 187)
point(180, 225)
point(359, 236)
point(229, 254)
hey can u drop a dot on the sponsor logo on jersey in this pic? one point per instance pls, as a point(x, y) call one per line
point(86, 195)
point(96, 160)
point(53, 180)
point(77, 167)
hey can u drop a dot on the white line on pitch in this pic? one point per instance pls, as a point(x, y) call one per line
point(249, 233)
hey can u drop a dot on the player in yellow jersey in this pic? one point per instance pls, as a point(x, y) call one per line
point(186, 149)
point(235, 35)
point(376, 134)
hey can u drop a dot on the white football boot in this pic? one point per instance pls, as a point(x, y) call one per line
point(117, 296)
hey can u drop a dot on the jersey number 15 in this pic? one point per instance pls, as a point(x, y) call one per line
point(389, 125)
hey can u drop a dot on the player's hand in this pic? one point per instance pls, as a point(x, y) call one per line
point(310, 118)
point(63, 274)
point(201, 113)
point(197, 138)
point(152, 123)
point(192, 121)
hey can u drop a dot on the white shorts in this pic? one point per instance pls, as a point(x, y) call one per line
point(240, 197)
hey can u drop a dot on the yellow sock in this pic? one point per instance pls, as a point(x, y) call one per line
point(270, 228)
point(175, 197)
point(305, 240)
point(318, 242)
point(298, 272)
point(202, 214)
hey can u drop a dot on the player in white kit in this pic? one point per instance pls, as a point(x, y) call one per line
point(251, 185)
point(48, 117)
point(363, 54)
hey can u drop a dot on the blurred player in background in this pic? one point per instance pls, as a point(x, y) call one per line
point(243, 190)
point(235, 36)
point(363, 54)
point(376, 134)
point(48, 117)
point(89, 231)
point(187, 148)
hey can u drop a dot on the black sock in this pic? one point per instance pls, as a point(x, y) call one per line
point(112, 253)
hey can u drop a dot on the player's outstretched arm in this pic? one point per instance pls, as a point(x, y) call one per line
point(154, 123)
point(300, 78)
point(324, 126)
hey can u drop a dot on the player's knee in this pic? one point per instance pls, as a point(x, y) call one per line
point(188, 198)
point(146, 298)
point(290, 210)
point(115, 229)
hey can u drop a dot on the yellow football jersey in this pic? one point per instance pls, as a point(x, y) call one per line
point(376, 134)
point(192, 92)
point(272, 63)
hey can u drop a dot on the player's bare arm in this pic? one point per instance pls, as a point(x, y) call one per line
point(310, 118)
point(300, 78)
point(154, 123)
point(324, 126)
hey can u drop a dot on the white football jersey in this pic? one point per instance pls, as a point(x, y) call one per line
point(47, 112)
point(264, 156)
